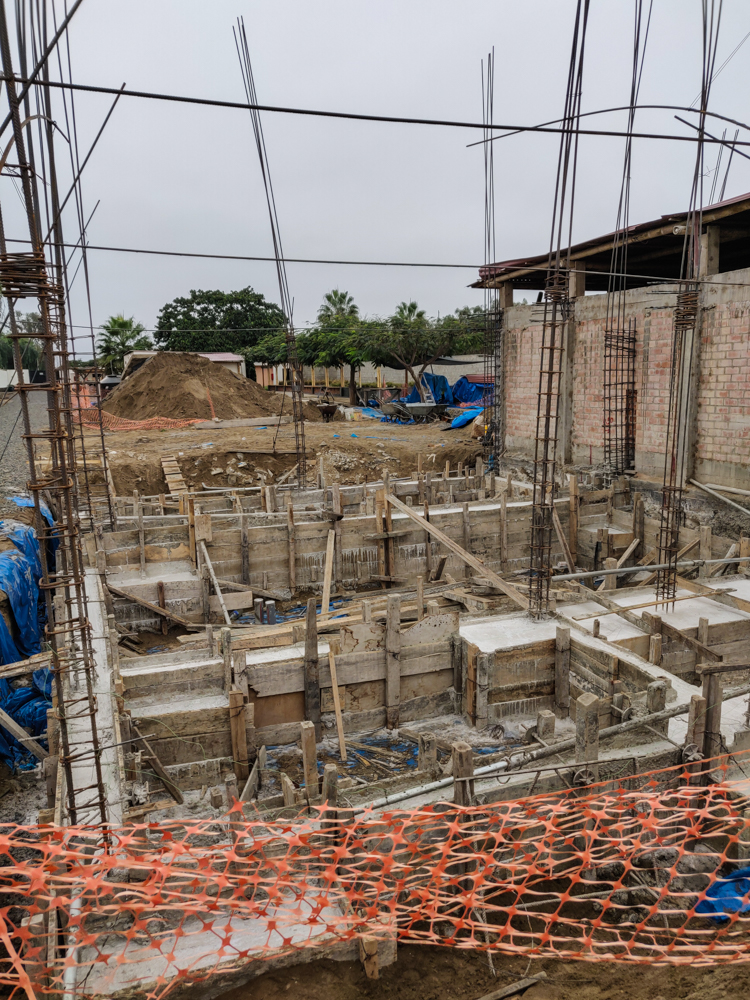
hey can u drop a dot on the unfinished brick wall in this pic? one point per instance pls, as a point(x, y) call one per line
point(722, 449)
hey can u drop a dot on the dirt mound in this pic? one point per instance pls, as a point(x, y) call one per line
point(186, 386)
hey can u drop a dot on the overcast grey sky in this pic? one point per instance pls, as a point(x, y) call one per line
point(179, 177)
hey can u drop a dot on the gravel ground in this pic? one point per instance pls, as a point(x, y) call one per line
point(14, 467)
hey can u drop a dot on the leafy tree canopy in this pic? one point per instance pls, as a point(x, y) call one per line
point(218, 321)
point(410, 340)
point(117, 338)
point(31, 350)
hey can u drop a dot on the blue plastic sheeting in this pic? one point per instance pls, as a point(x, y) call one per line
point(28, 502)
point(465, 391)
point(438, 385)
point(730, 894)
point(20, 571)
point(466, 418)
point(28, 707)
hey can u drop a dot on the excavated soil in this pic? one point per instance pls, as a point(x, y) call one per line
point(431, 973)
point(352, 452)
point(184, 387)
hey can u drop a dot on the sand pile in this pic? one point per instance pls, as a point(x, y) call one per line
point(179, 386)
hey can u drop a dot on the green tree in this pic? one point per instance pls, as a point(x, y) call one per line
point(410, 340)
point(31, 349)
point(335, 339)
point(118, 337)
point(218, 321)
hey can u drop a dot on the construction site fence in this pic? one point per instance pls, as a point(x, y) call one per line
point(94, 417)
point(627, 871)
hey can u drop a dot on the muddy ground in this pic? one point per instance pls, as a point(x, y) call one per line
point(433, 973)
point(352, 452)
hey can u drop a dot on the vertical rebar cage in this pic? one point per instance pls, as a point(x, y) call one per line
point(619, 399)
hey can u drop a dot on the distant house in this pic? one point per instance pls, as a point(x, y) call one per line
point(232, 362)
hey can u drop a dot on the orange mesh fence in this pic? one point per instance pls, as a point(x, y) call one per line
point(93, 417)
point(617, 872)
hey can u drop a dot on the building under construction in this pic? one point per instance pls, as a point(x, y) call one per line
point(500, 703)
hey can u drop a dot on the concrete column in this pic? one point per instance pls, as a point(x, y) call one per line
point(587, 731)
point(710, 247)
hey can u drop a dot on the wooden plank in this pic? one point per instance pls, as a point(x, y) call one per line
point(337, 702)
point(22, 736)
point(151, 607)
point(328, 573)
point(217, 588)
point(523, 984)
point(393, 661)
point(232, 602)
point(157, 765)
point(683, 551)
point(563, 541)
point(462, 554)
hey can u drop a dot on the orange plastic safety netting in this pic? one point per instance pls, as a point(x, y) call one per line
point(94, 417)
point(619, 872)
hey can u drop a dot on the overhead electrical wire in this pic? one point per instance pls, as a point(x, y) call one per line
point(352, 116)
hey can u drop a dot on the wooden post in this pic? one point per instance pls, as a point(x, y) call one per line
point(292, 546)
point(428, 753)
point(191, 526)
point(703, 631)
point(380, 530)
point(210, 641)
point(310, 761)
point(366, 611)
point(327, 573)
point(389, 544)
point(245, 549)
point(420, 598)
point(639, 521)
point(239, 736)
point(654, 649)
point(482, 688)
point(214, 581)
point(226, 650)
point(141, 539)
point(336, 701)
point(610, 582)
point(463, 768)
point(312, 684)
point(393, 661)
point(162, 604)
point(587, 731)
point(744, 567)
point(713, 691)
point(704, 551)
point(338, 511)
point(287, 790)
point(573, 503)
point(562, 671)
point(427, 543)
point(696, 727)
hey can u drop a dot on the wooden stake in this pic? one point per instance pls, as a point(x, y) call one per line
point(310, 761)
point(337, 703)
point(427, 543)
point(420, 598)
point(573, 518)
point(463, 767)
point(141, 539)
point(239, 736)
point(191, 526)
point(563, 541)
point(312, 682)
point(393, 661)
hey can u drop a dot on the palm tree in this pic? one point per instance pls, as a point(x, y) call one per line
point(337, 305)
point(118, 337)
point(409, 312)
point(338, 317)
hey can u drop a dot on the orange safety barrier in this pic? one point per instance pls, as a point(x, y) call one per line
point(93, 417)
point(616, 872)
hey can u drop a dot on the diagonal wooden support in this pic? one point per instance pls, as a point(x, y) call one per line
point(508, 589)
point(623, 559)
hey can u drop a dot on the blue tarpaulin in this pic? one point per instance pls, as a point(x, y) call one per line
point(438, 386)
point(465, 391)
point(730, 894)
point(20, 572)
point(466, 418)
